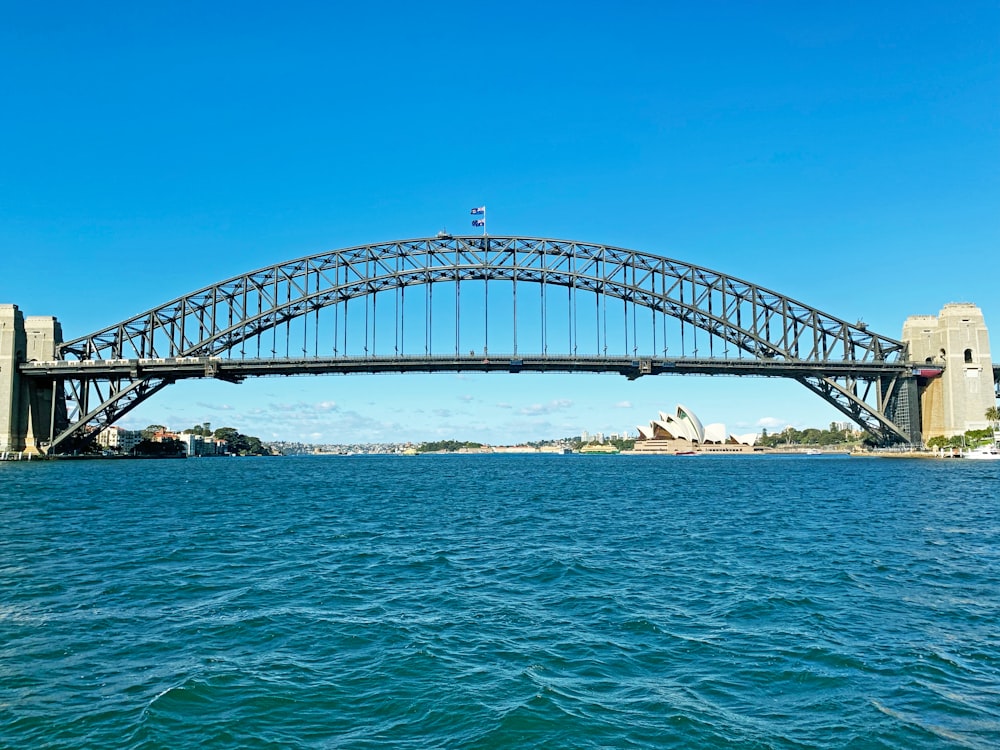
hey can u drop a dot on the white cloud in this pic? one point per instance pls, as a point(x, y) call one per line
point(623, 405)
point(214, 407)
point(286, 408)
point(771, 423)
point(552, 406)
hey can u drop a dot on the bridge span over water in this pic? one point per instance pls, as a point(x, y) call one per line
point(447, 303)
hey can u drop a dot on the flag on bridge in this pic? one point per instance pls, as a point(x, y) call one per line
point(479, 211)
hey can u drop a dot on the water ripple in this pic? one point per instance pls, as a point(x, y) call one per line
point(495, 602)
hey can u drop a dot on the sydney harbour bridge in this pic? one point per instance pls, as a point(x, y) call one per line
point(483, 303)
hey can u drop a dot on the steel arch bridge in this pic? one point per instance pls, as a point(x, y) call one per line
point(522, 303)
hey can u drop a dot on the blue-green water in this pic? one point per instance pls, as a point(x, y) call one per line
point(495, 602)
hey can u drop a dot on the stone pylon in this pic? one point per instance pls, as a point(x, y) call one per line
point(957, 339)
point(46, 401)
point(12, 346)
point(29, 409)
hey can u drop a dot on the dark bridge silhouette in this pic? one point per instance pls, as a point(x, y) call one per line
point(482, 303)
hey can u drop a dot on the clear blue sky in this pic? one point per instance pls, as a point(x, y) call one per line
point(846, 154)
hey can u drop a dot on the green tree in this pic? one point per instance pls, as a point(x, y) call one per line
point(978, 437)
point(623, 444)
point(151, 430)
point(445, 445)
point(164, 449)
point(811, 436)
point(202, 430)
point(240, 444)
point(226, 433)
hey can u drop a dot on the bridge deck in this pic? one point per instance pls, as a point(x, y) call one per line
point(631, 367)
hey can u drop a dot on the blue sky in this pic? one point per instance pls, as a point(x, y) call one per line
point(845, 154)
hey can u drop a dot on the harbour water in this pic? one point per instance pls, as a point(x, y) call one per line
point(500, 601)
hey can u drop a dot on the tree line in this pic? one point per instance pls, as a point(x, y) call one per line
point(835, 435)
point(971, 438)
point(446, 445)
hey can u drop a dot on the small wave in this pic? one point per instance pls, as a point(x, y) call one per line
point(935, 729)
point(641, 625)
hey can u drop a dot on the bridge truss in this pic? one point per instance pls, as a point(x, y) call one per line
point(509, 303)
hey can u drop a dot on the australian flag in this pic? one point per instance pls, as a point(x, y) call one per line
point(479, 222)
point(478, 211)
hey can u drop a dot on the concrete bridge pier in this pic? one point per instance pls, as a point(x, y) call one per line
point(30, 409)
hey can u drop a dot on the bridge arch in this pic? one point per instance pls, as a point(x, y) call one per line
point(856, 370)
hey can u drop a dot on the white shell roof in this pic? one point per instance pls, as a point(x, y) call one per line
point(684, 424)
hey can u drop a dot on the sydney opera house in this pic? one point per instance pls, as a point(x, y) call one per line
point(682, 433)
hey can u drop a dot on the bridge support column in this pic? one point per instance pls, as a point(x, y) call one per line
point(13, 421)
point(956, 338)
point(29, 408)
point(45, 400)
point(903, 408)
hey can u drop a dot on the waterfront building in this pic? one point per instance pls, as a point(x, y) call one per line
point(683, 432)
point(194, 445)
point(118, 440)
point(202, 445)
point(164, 434)
point(515, 449)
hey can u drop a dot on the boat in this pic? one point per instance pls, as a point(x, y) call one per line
point(602, 449)
point(814, 452)
point(983, 453)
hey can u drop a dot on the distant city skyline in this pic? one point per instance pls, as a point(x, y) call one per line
point(845, 156)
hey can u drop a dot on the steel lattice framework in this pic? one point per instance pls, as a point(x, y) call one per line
point(207, 332)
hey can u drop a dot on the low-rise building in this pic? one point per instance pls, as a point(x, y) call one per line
point(118, 440)
point(202, 445)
